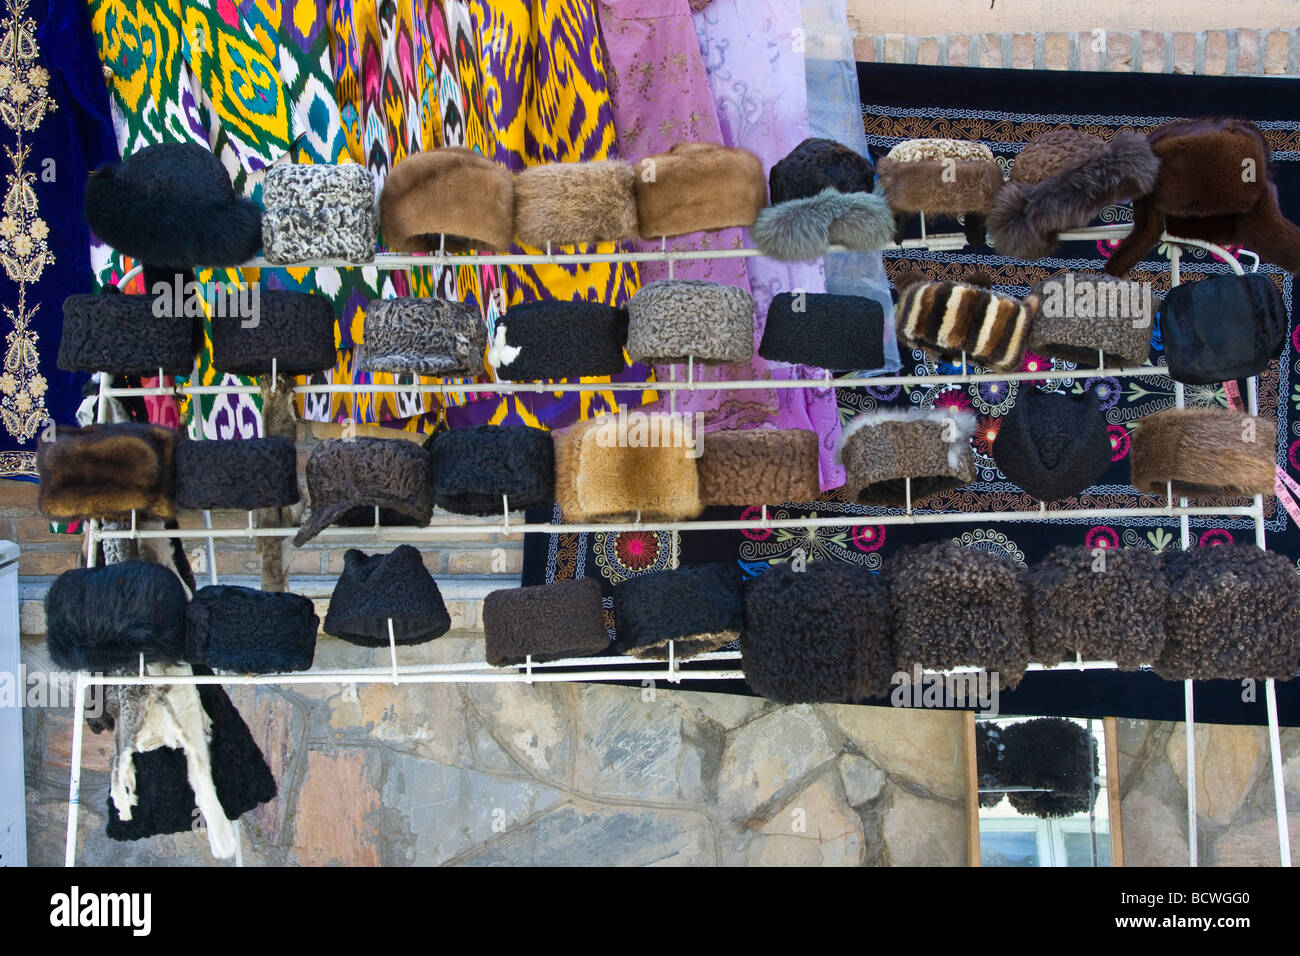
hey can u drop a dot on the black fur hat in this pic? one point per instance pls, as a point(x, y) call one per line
point(1222, 328)
point(698, 608)
point(121, 334)
point(550, 340)
point(344, 474)
point(376, 587)
point(824, 331)
point(240, 473)
point(108, 471)
point(1055, 756)
point(549, 622)
point(106, 617)
point(247, 631)
point(474, 467)
point(294, 328)
point(172, 205)
point(1053, 444)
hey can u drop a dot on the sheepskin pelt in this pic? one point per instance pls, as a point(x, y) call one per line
point(1222, 328)
point(1208, 453)
point(698, 608)
point(940, 176)
point(296, 329)
point(880, 450)
point(246, 631)
point(757, 466)
point(801, 229)
point(344, 474)
point(547, 623)
point(949, 318)
point(474, 468)
point(567, 203)
point(121, 334)
point(376, 588)
point(172, 205)
point(824, 331)
point(554, 339)
point(242, 474)
point(1053, 444)
point(423, 336)
point(318, 211)
point(1058, 759)
point(698, 187)
point(1082, 317)
point(452, 194)
point(108, 471)
point(817, 164)
point(672, 319)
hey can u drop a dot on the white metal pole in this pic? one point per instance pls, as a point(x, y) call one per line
point(74, 782)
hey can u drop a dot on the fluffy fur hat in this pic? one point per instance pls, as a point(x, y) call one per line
point(294, 328)
point(452, 191)
point(1076, 315)
point(1222, 328)
point(318, 211)
point(376, 587)
point(121, 335)
point(343, 474)
point(108, 471)
point(474, 467)
point(880, 450)
point(698, 186)
point(817, 635)
point(1058, 759)
point(424, 337)
point(824, 331)
point(1208, 453)
point(756, 466)
point(608, 469)
point(1062, 180)
point(672, 319)
point(1233, 613)
point(172, 205)
point(550, 340)
point(550, 622)
point(1053, 444)
point(246, 631)
point(567, 203)
point(698, 608)
point(942, 176)
point(951, 317)
point(105, 617)
point(242, 474)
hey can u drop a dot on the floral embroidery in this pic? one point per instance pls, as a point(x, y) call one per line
point(1101, 537)
point(1215, 537)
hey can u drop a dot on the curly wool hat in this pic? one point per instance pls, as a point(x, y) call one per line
point(424, 337)
point(698, 187)
point(1062, 180)
point(376, 588)
point(319, 211)
point(824, 331)
point(1205, 452)
point(1055, 757)
point(294, 328)
point(942, 176)
point(346, 473)
point(1081, 317)
point(1222, 328)
point(698, 608)
point(121, 335)
point(452, 192)
point(820, 635)
point(568, 203)
point(107, 471)
point(954, 317)
point(105, 617)
point(550, 340)
point(880, 450)
point(473, 468)
point(172, 205)
point(673, 319)
point(242, 474)
point(246, 631)
point(1054, 444)
point(757, 466)
point(549, 622)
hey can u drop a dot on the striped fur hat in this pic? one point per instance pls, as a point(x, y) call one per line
point(954, 317)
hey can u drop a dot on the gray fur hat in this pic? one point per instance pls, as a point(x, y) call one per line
point(424, 337)
point(1062, 329)
point(671, 319)
point(318, 211)
point(880, 450)
point(346, 473)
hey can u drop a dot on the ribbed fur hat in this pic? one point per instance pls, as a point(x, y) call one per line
point(672, 319)
point(698, 187)
point(1222, 328)
point(121, 335)
point(880, 450)
point(242, 474)
point(106, 617)
point(294, 328)
point(824, 331)
point(550, 340)
point(1206, 453)
point(757, 466)
point(821, 635)
point(108, 471)
point(549, 622)
point(951, 317)
point(942, 176)
point(318, 211)
point(452, 191)
point(343, 474)
point(567, 203)
point(246, 631)
point(474, 467)
point(424, 337)
point(376, 587)
point(1076, 315)
point(698, 608)
point(172, 205)
point(1053, 444)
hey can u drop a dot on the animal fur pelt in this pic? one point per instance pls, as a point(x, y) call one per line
point(954, 317)
point(277, 421)
point(452, 191)
point(108, 471)
point(566, 203)
point(801, 229)
point(1209, 453)
point(698, 186)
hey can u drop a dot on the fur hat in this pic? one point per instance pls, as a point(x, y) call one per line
point(1076, 315)
point(242, 474)
point(824, 331)
point(1057, 759)
point(1208, 453)
point(172, 205)
point(121, 335)
point(105, 617)
point(345, 473)
point(1222, 328)
point(108, 471)
point(452, 191)
point(696, 187)
point(951, 317)
point(246, 631)
point(294, 328)
point(698, 608)
point(376, 587)
point(474, 467)
point(568, 203)
point(757, 466)
point(1233, 613)
point(1062, 180)
point(880, 450)
point(1053, 444)
point(942, 176)
point(424, 337)
point(606, 472)
point(1202, 192)
point(551, 339)
point(672, 319)
point(318, 211)
point(548, 623)
point(820, 635)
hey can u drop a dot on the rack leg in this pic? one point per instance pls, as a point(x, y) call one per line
point(74, 782)
point(1189, 724)
point(1279, 786)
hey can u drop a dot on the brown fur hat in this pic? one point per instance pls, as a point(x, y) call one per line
point(698, 186)
point(451, 191)
point(759, 466)
point(108, 471)
point(952, 317)
point(880, 450)
point(913, 174)
point(1206, 452)
point(567, 203)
